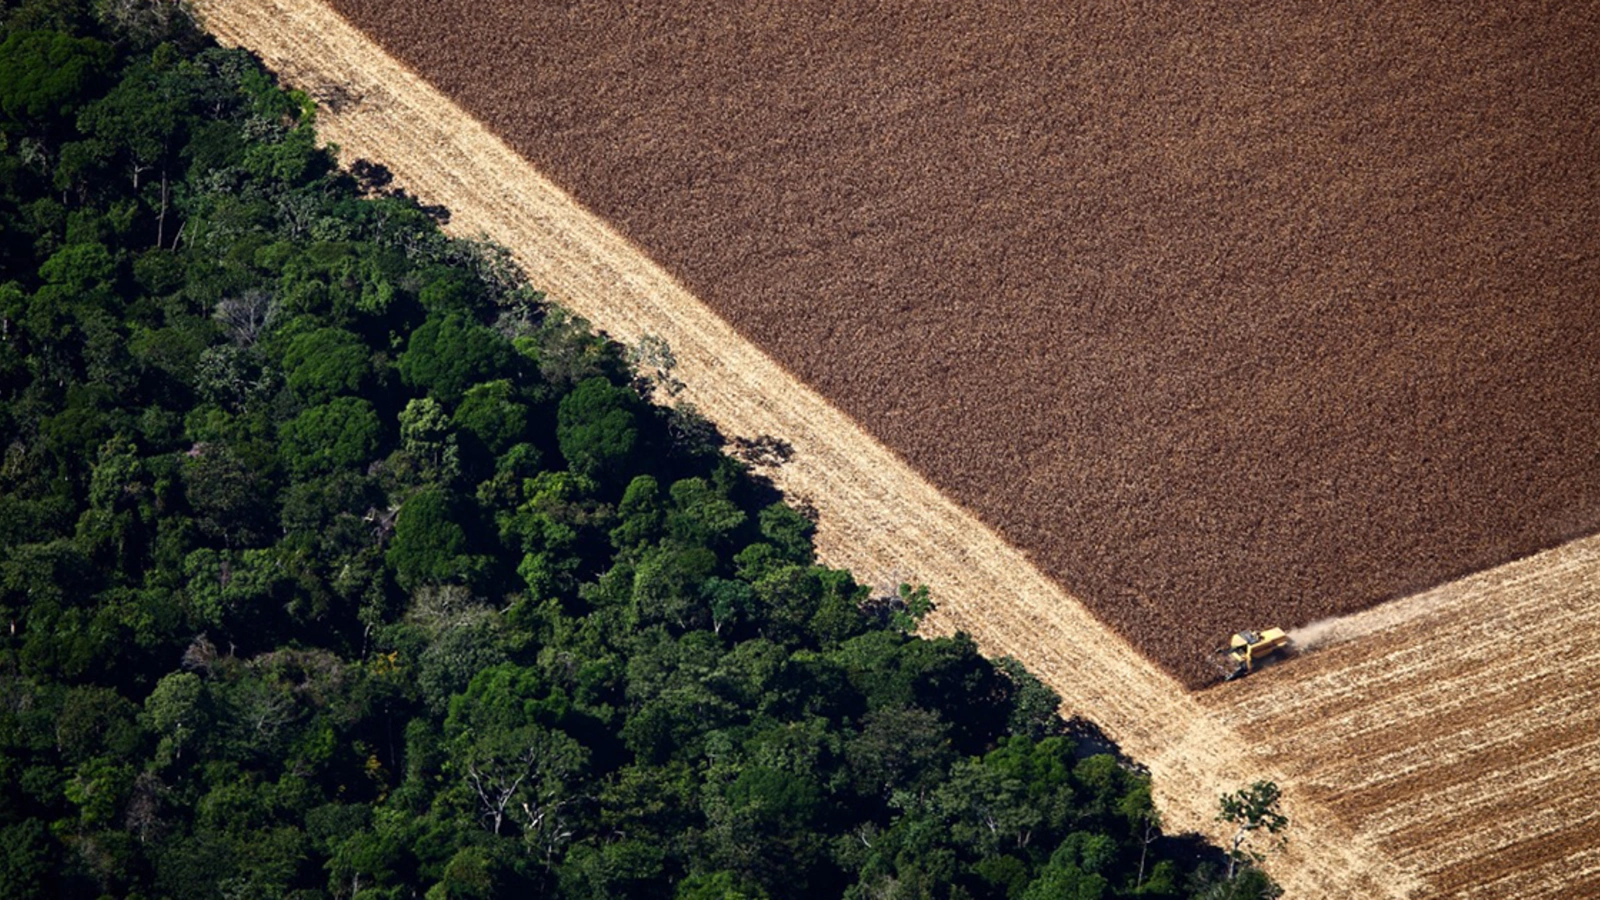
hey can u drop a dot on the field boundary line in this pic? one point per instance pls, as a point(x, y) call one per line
point(878, 517)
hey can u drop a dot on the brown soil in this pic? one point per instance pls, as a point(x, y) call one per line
point(1229, 315)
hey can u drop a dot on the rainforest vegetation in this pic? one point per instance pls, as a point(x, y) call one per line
point(335, 563)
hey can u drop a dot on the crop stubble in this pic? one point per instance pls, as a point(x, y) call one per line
point(880, 517)
point(1461, 733)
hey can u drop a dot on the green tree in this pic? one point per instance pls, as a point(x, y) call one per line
point(28, 859)
point(1035, 708)
point(177, 714)
point(430, 541)
point(640, 516)
point(116, 527)
point(47, 73)
point(474, 873)
point(701, 515)
point(667, 587)
point(550, 528)
point(322, 364)
point(788, 531)
point(80, 269)
point(429, 446)
point(242, 593)
point(912, 606)
point(467, 638)
point(518, 766)
point(1252, 810)
point(448, 354)
point(95, 722)
point(1065, 877)
point(139, 123)
point(899, 748)
point(493, 415)
point(727, 601)
point(340, 434)
point(232, 498)
point(766, 826)
point(722, 885)
point(597, 429)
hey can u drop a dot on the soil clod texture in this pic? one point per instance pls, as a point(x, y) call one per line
point(1228, 315)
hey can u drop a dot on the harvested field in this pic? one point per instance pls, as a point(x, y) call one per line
point(1459, 729)
point(881, 519)
point(1225, 314)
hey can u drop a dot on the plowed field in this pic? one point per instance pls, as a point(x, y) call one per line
point(1516, 771)
point(1224, 313)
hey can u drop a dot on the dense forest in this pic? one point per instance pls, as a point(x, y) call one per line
point(335, 563)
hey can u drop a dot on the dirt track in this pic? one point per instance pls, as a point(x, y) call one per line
point(1227, 314)
point(881, 518)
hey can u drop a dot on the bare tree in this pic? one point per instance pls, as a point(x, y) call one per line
point(247, 315)
point(495, 786)
point(521, 775)
point(143, 816)
point(652, 359)
point(1152, 832)
point(439, 608)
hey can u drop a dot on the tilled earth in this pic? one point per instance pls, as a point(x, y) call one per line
point(1228, 315)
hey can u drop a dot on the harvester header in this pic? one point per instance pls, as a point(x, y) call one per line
point(1248, 648)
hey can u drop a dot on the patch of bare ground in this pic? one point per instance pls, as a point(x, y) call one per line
point(877, 515)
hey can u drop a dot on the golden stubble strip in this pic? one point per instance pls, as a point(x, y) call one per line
point(1459, 725)
point(877, 516)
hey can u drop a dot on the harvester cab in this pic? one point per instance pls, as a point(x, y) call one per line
point(1248, 648)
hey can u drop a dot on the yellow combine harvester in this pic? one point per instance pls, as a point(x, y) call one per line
point(1250, 647)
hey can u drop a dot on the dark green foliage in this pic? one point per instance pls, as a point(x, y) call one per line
point(597, 428)
point(1251, 810)
point(230, 494)
point(339, 434)
point(490, 420)
point(493, 414)
point(640, 515)
point(448, 354)
point(313, 583)
point(45, 74)
point(789, 532)
point(430, 540)
point(324, 363)
point(27, 859)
